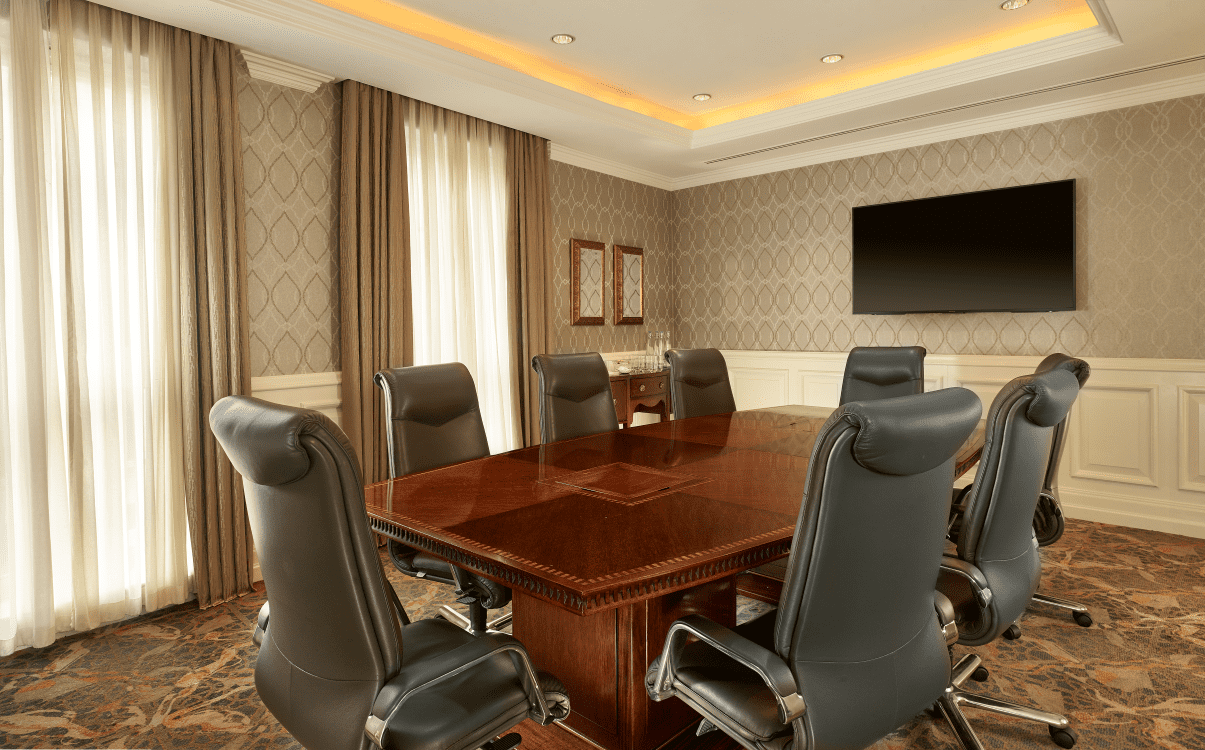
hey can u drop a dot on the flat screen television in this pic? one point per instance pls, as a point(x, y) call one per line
point(1011, 250)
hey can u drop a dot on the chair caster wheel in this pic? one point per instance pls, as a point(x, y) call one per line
point(980, 674)
point(1063, 737)
point(1013, 633)
point(1083, 619)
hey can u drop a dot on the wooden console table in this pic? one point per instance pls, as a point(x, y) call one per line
point(646, 392)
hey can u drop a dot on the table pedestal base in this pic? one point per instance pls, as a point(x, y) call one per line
point(602, 659)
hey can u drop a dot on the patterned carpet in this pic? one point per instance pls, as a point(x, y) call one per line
point(180, 678)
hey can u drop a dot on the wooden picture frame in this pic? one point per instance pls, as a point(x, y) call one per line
point(629, 285)
point(587, 302)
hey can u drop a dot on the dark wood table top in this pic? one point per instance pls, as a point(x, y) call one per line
point(597, 522)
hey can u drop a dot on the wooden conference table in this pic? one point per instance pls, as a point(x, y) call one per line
point(606, 540)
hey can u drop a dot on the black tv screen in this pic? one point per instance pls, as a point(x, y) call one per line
point(1011, 249)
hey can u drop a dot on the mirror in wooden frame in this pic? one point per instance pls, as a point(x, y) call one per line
point(587, 261)
point(629, 285)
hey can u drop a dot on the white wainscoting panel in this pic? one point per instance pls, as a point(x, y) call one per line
point(1115, 434)
point(1135, 452)
point(1192, 439)
point(315, 390)
point(759, 387)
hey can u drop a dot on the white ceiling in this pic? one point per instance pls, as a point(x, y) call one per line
point(665, 51)
point(670, 50)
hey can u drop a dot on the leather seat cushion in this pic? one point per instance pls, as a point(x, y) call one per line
point(733, 689)
point(459, 712)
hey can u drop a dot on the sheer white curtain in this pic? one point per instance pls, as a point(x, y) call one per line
point(456, 167)
point(92, 517)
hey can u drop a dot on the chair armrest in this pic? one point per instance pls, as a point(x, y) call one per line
point(767, 664)
point(946, 617)
point(426, 674)
point(971, 574)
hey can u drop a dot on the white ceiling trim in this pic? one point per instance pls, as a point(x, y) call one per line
point(1130, 97)
point(1100, 37)
point(264, 68)
point(353, 31)
point(567, 155)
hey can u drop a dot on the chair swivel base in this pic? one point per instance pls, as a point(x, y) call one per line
point(1078, 611)
point(465, 623)
point(955, 696)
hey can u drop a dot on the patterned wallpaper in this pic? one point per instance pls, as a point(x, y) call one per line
point(588, 205)
point(764, 262)
point(291, 172)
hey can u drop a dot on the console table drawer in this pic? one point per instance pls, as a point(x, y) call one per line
point(644, 386)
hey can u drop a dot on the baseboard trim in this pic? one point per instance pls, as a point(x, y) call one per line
point(1135, 512)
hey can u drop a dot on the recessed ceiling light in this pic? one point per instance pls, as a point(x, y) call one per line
point(832, 58)
point(701, 97)
point(567, 39)
point(1013, 4)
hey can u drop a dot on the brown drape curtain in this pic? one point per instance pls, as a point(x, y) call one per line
point(374, 263)
point(529, 270)
point(214, 324)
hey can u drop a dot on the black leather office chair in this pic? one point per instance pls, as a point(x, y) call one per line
point(340, 665)
point(859, 643)
point(1048, 523)
point(995, 568)
point(874, 372)
point(434, 421)
point(575, 396)
point(698, 383)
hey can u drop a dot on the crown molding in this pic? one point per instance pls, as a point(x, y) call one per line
point(1131, 97)
point(264, 68)
point(567, 155)
point(353, 31)
point(1100, 37)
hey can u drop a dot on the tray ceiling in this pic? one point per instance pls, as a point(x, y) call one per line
point(618, 99)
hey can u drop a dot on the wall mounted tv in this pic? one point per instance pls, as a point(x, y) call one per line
point(1011, 250)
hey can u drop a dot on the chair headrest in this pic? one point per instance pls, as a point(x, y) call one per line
point(1054, 393)
point(697, 367)
point(429, 394)
point(263, 440)
point(887, 365)
point(911, 434)
point(573, 377)
point(1058, 361)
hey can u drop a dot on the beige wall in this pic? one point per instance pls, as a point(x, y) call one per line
point(587, 205)
point(291, 171)
point(764, 262)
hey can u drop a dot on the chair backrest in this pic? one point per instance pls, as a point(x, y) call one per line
point(575, 396)
point(875, 372)
point(1080, 369)
point(996, 534)
point(698, 383)
point(856, 615)
point(434, 417)
point(333, 638)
